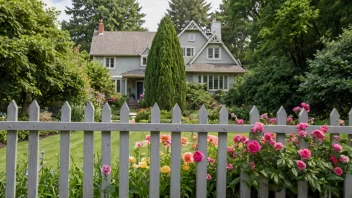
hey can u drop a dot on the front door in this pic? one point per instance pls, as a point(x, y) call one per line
point(139, 89)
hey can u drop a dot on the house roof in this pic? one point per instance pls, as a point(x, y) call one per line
point(134, 73)
point(120, 43)
point(214, 68)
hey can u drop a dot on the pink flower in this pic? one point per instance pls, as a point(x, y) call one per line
point(305, 106)
point(252, 165)
point(211, 160)
point(258, 127)
point(229, 167)
point(272, 142)
point(324, 129)
point(233, 115)
point(198, 156)
point(302, 134)
point(246, 141)
point(147, 137)
point(230, 149)
point(240, 121)
point(342, 122)
point(295, 140)
point(208, 177)
point(336, 137)
point(333, 159)
point(301, 126)
point(344, 159)
point(305, 153)
point(337, 148)
point(139, 144)
point(338, 171)
point(272, 120)
point(264, 116)
point(106, 169)
point(269, 136)
point(317, 134)
point(278, 146)
point(301, 165)
point(253, 147)
point(296, 109)
point(167, 143)
point(289, 120)
point(234, 155)
point(238, 138)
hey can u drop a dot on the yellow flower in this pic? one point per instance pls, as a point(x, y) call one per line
point(135, 166)
point(131, 159)
point(165, 169)
point(145, 159)
point(185, 167)
point(143, 164)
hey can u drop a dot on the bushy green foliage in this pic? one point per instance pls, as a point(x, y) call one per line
point(182, 12)
point(143, 114)
point(165, 76)
point(329, 80)
point(77, 113)
point(117, 15)
point(197, 95)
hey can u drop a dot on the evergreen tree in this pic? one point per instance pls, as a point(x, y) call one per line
point(165, 77)
point(118, 15)
point(184, 11)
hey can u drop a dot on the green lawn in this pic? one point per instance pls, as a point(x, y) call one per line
point(51, 146)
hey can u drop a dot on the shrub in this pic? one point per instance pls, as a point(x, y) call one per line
point(197, 95)
point(143, 114)
point(45, 116)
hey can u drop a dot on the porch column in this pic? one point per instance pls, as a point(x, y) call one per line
point(125, 86)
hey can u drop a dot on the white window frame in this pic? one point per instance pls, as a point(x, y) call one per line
point(115, 83)
point(142, 60)
point(214, 53)
point(218, 76)
point(113, 58)
point(191, 37)
point(184, 52)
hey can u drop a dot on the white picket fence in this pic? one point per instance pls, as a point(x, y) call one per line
point(89, 126)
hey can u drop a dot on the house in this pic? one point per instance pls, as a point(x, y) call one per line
point(125, 54)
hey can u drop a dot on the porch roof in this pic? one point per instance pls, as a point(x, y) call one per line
point(134, 73)
point(214, 68)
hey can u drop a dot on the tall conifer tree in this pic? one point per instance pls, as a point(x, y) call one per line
point(184, 11)
point(165, 76)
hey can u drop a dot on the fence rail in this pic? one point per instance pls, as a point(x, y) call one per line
point(89, 126)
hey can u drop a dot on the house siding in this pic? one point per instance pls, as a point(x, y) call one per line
point(146, 52)
point(225, 58)
point(122, 64)
point(197, 44)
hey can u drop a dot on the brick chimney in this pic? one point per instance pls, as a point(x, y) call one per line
point(101, 27)
point(216, 27)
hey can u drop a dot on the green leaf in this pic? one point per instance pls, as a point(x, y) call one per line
point(294, 172)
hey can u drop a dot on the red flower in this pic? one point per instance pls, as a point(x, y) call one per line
point(301, 165)
point(253, 147)
point(305, 154)
point(198, 156)
point(338, 171)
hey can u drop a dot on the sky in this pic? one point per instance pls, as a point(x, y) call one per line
point(154, 10)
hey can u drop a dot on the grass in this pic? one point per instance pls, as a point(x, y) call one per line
point(51, 146)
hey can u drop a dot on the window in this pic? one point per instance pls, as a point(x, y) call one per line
point(214, 82)
point(191, 37)
point(109, 63)
point(188, 51)
point(214, 53)
point(144, 60)
point(117, 85)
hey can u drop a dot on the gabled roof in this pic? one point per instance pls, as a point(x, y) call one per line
point(121, 43)
point(193, 26)
point(214, 39)
point(144, 50)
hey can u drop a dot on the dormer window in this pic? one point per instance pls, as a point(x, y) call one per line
point(144, 60)
point(214, 53)
point(188, 51)
point(110, 62)
point(191, 37)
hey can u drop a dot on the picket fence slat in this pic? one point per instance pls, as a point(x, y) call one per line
point(281, 117)
point(348, 180)
point(33, 152)
point(88, 153)
point(106, 151)
point(334, 121)
point(124, 153)
point(222, 156)
point(175, 191)
point(201, 186)
point(11, 153)
point(154, 155)
point(303, 185)
point(64, 153)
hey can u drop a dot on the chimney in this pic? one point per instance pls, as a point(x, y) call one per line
point(101, 27)
point(216, 27)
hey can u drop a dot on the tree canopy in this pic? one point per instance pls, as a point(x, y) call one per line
point(118, 15)
point(184, 11)
point(165, 76)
